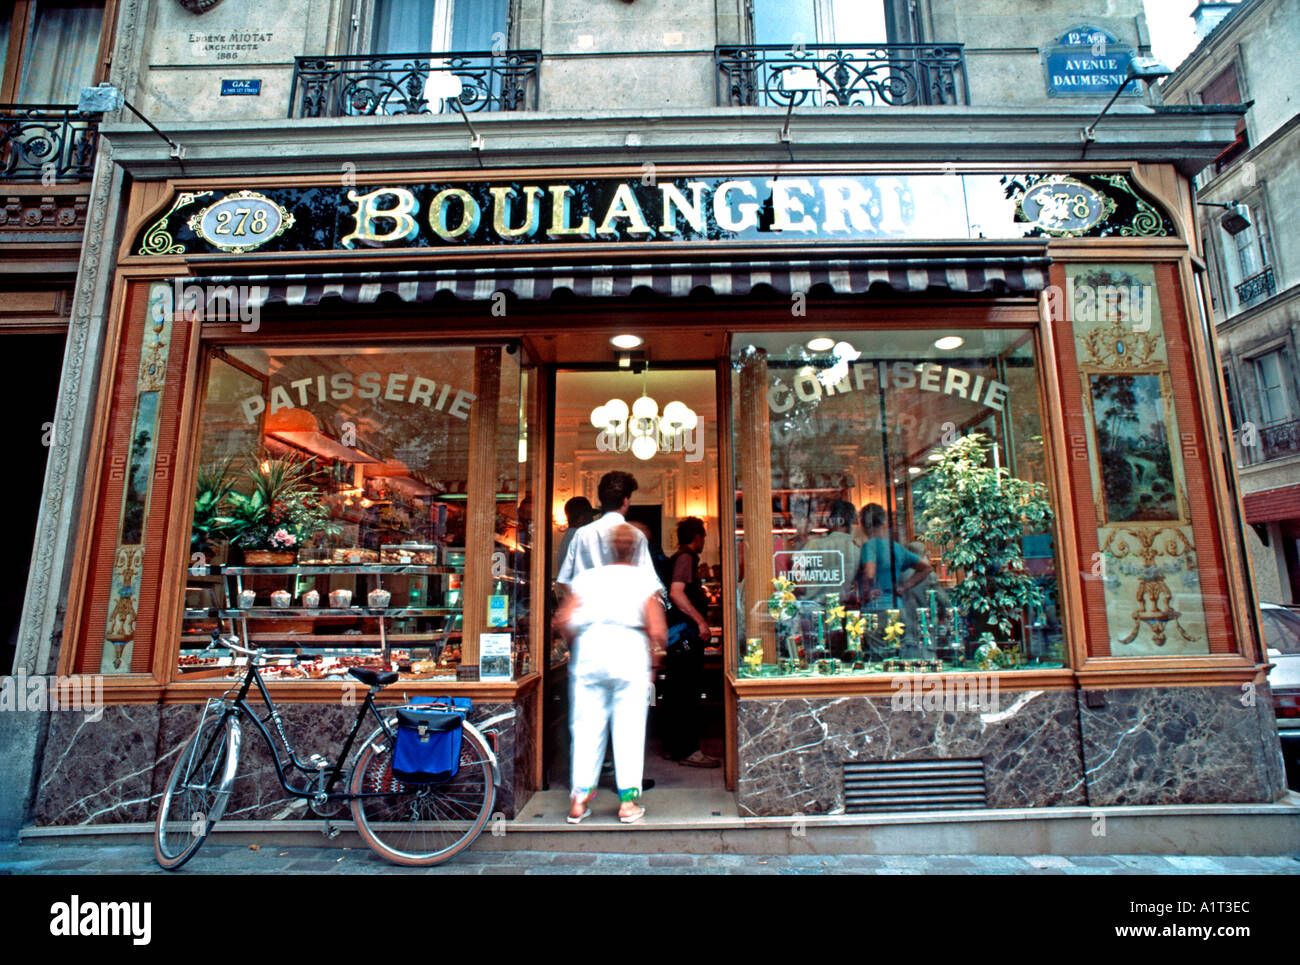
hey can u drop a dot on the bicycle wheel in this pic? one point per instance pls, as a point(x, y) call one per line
point(197, 791)
point(424, 825)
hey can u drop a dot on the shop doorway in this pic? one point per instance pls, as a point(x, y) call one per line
point(676, 479)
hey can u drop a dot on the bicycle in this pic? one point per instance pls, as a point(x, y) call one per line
point(406, 824)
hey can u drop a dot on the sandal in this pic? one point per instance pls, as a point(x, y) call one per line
point(632, 816)
point(586, 810)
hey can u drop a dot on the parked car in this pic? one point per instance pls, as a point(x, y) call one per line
point(1281, 627)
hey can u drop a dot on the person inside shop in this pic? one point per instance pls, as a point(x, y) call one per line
point(662, 562)
point(578, 512)
point(614, 617)
point(841, 552)
point(590, 545)
point(689, 633)
point(883, 560)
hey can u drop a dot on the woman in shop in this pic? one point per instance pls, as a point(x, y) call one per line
point(617, 617)
point(883, 560)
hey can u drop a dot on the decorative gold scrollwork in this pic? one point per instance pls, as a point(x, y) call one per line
point(158, 240)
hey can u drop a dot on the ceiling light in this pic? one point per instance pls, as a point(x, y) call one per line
point(914, 470)
point(819, 344)
point(934, 457)
point(627, 341)
point(949, 342)
point(640, 427)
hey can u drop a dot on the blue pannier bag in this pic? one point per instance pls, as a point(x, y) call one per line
point(427, 749)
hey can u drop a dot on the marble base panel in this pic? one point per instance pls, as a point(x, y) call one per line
point(98, 771)
point(114, 771)
point(792, 750)
point(1181, 745)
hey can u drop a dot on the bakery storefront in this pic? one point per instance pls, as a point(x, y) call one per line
point(953, 435)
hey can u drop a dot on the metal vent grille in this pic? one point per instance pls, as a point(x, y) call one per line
point(914, 785)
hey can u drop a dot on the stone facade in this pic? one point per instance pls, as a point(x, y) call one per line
point(1185, 745)
point(114, 770)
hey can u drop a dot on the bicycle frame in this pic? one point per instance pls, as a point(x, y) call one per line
point(240, 706)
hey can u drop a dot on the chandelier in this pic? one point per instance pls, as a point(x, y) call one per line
point(641, 427)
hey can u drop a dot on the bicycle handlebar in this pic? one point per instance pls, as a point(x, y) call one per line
point(231, 642)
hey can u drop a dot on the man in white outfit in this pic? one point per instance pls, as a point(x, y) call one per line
point(589, 547)
point(614, 611)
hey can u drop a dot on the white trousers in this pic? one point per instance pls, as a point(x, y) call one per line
point(610, 682)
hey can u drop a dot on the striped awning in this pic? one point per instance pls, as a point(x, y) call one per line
point(996, 275)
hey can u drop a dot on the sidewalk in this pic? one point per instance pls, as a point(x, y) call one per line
point(238, 859)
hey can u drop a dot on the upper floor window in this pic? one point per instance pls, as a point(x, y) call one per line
point(1225, 89)
point(790, 22)
point(49, 50)
point(414, 26)
point(1270, 376)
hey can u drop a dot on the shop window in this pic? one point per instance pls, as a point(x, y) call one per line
point(50, 50)
point(334, 510)
point(1270, 377)
point(846, 477)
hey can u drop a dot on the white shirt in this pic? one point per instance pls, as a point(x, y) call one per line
point(591, 548)
point(611, 602)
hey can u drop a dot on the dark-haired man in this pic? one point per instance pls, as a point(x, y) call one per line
point(684, 666)
point(590, 545)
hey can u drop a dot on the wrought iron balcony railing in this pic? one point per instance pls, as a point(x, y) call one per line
point(1260, 444)
point(857, 75)
point(421, 83)
point(47, 142)
point(1257, 286)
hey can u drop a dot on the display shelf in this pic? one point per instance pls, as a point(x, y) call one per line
point(274, 612)
point(346, 569)
point(347, 638)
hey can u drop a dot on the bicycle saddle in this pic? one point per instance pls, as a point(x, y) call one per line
point(373, 678)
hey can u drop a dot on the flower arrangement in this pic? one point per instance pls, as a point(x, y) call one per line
point(855, 628)
point(281, 509)
point(282, 539)
point(754, 654)
point(782, 604)
point(894, 630)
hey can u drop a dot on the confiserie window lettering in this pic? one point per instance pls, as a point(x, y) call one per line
point(330, 511)
point(857, 435)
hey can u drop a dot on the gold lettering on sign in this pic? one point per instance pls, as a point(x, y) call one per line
point(725, 215)
point(693, 211)
point(846, 196)
point(501, 212)
point(560, 215)
point(469, 218)
point(784, 204)
point(624, 206)
point(368, 212)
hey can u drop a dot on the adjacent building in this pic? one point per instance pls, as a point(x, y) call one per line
point(1250, 245)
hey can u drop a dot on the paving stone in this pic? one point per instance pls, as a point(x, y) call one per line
point(950, 861)
point(574, 859)
point(905, 860)
point(671, 860)
point(1093, 861)
point(1186, 862)
point(1048, 861)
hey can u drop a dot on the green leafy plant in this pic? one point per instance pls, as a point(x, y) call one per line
point(978, 515)
point(212, 488)
point(282, 509)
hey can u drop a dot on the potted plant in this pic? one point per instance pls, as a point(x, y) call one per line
point(282, 510)
point(978, 515)
point(210, 531)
